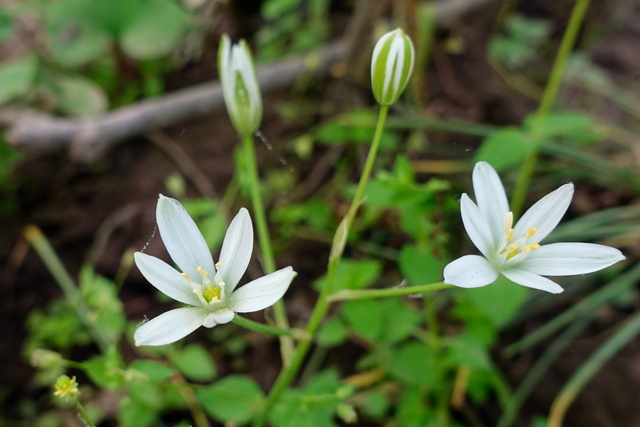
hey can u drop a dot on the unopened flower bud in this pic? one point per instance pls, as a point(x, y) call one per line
point(240, 86)
point(391, 66)
point(41, 358)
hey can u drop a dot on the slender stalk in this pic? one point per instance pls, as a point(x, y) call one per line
point(84, 414)
point(288, 374)
point(60, 274)
point(286, 343)
point(591, 367)
point(548, 100)
point(270, 330)
point(384, 293)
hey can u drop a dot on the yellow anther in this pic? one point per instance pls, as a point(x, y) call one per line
point(512, 254)
point(508, 222)
point(531, 246)
point(509, 235)
point(186, 276)
point(531, 232)
point(202, 271)
point(513, 247)
point(218, 265)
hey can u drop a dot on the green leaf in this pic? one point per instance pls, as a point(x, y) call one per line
point(353, 274)
point(499, 301)
point(573, 126)
point(155, 31)
point(6, 26)
point(106, 371)
point(79, 96)
point(133, 414)
point(102, 298)
point(195, 363)
point(153, 371)
point(418, 264)
point(234, 398)
point(16, 77)
point(414, 364)
point(505, 148)
point(332, 333)
point(384, 320)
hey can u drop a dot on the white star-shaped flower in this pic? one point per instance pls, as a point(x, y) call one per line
point(515, 251)
point(208, 289)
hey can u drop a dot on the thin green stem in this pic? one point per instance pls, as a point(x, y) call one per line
point(286, 343)
point(548, 100)
point(287, 375)
point(385, 293)
point(270, 330)
point(84, 414)
point(60, 274)
point(591, 367)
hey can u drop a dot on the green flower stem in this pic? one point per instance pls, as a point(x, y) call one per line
point(40, 243)
point(84, 414)
point(384, 293)
point(270, 330)
point(591, 367)
point(322, 305)
point(286, 343)
point(548, 100)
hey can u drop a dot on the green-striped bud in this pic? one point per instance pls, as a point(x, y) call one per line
point(240, 86)
point(391, 66)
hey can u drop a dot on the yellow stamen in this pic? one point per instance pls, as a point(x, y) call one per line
point(508, 221)
point(531, 232)
point(509, 234)
point(202, 271)
point(513, 247)
point(531, 246)
point(512, 254)
point(218, 265)
point(186, 276)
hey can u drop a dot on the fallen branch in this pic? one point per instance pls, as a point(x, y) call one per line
point(88, 138)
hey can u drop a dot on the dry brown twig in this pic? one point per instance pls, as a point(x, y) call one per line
point(88, 138)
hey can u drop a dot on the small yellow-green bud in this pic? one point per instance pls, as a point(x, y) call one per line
point(391, 66)
point(66, 387)
point(240, 86)
point(41, 358)
point(347, 413)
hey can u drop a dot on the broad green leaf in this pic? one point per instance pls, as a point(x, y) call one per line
point(106, 371)
point(232, 399)
point(414, 364)
point(505, 148)
point(332, 333)
point(155, 31)
point(133, 414)
point(16, 77)
point(499, 301)
point(195, 363)
point(151, 370)
point(79, 96)
point(383, 320)
point(353, 274)
point(418, 264)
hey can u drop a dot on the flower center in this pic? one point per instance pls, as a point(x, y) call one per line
point(207, 291)
point(511, 248)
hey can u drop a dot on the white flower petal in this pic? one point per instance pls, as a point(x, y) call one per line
point(545, 214)
point(236, 251)
point(165, 278)
point(490, 197)
point(262, 292)
point(532, 280)
point(470, 271)
point(181, 237)
point(218, 318)
point(169, 327)
point(476, 226)
point(565, 259)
